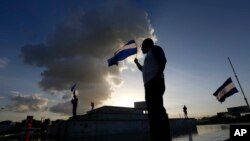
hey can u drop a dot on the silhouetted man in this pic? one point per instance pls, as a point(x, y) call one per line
point(92, 105)
point(74, 101)
point(185, 111)
point(152, 71)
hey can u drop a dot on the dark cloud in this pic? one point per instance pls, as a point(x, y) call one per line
point(78, 50)
point(67, 96)
point(27, 103)
point(63, 108)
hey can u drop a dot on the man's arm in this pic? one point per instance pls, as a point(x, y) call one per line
point(139, 66)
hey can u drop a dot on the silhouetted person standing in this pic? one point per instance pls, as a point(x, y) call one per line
point(185, 111)
point(74, 101)
point(152, 71)
point(92, 105)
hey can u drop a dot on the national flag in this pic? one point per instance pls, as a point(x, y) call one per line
point(73, 88)
point(122, 53)
point(226, 90)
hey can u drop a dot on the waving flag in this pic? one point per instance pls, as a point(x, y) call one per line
point(122, 53)
point(226, 90)
point(73, 88)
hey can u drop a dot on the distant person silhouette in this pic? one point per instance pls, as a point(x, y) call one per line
point(152, 72)
point(74, 101)
point(92, 105)
point(185, 111)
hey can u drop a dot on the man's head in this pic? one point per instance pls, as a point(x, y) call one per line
point(147, 44)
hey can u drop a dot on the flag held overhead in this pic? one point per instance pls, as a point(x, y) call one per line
point(226, 90)
point(73, 88)
point(127, 50)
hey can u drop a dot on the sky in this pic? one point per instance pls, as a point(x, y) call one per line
point(47, 46)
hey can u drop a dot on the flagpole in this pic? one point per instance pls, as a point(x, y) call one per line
point(136, 50)
point(238, 82)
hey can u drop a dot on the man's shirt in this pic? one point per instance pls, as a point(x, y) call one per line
point(151, 66)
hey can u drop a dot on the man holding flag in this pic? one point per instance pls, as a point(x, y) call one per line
point(152, 72)
point(74, 100)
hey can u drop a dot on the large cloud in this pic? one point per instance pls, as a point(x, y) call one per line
point(27, 103)
point(78, 49)
point(63, 108)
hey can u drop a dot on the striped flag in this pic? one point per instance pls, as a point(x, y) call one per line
point(226, 90)
point(122, 53)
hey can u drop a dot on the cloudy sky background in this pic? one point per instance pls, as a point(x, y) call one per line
point(46, 47)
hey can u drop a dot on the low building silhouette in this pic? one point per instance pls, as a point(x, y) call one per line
point(237, 111)
point(112, 120)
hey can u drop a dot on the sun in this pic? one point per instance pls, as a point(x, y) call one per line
point(121, 101)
